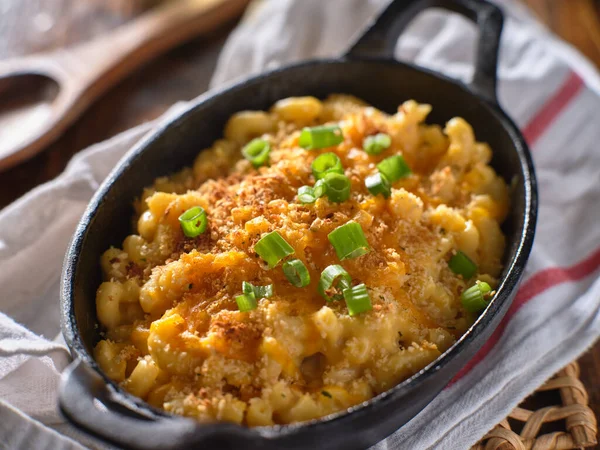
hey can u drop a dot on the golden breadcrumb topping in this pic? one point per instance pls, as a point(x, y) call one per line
point(173, 332)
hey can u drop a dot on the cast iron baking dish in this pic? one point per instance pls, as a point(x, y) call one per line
point(94, 403)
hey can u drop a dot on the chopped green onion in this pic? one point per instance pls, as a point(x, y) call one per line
point(326, 163)
point(257, 291)
point(263, 291)
point(296, 272)
point(338, 187)
point(273, 248)
point(349, 241)
point(306, 194)
point(320, 137)
point(320, 188)
point(334, 279)
point(394, 168)
point(193, 222)
point(378, 184)
point(461, 264)
point(374, 145)
point(247, 288)
point(475, 298)
point(246, 302)
point(357, 299)
point(257, 152)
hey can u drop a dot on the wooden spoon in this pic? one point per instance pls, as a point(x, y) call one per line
point(41, 95)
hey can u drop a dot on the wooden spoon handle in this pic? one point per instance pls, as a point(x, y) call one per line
point(99, 64)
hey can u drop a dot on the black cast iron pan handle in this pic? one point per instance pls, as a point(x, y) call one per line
point(379, 40)
point(84, 396)
point(87, 401)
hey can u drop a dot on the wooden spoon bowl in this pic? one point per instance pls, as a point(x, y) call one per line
point(41, 95)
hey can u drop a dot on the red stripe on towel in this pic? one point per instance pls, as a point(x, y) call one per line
point(534, 286)
point(552, 108)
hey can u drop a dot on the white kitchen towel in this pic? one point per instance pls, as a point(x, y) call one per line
point(550, 90)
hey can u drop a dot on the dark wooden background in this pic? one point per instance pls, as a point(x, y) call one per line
point(28, 26)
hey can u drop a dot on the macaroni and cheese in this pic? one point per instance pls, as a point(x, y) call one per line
point(174, 332)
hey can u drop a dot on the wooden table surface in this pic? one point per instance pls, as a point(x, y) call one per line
point(28, 26)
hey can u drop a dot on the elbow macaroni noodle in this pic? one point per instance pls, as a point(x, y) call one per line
point(172, 332)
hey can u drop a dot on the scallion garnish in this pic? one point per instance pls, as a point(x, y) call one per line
point(394, 168)
point(246, 302)
point(320, 137)
point(475, 298)
point(378, 184)
point(193, 222)
point(349, 241)
point(338, 187)
point(257, 291)
point(461, 264)
point(320, 188)
point(263, 291)
point(257, 152)
point(357, 299)
point(374, 145)
point(247, 288)
point(334, 279)
point(296, 273)
point(326, 163)
point(306, 195)
point(273, 248)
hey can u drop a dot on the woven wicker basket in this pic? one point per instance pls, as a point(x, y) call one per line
point(568, 423)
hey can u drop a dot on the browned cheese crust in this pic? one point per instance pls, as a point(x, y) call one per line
point(173, 332)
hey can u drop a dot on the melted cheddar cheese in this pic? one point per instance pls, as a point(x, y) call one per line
point(173, 333)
